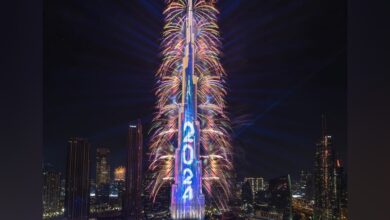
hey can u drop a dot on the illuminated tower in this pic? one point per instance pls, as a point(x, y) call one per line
point(187, 200)
point(326, 206)
point(190, 145)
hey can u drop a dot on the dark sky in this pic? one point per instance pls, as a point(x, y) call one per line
point(286, 65)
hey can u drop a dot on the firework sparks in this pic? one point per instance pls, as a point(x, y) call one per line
point(210, 75)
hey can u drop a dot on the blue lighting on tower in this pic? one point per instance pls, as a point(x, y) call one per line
point(187, 199)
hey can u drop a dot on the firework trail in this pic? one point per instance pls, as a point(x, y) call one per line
point(210, 100)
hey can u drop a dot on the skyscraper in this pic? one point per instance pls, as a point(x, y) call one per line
point(119, 183)
point(132, 207)
point(188, 201)
point(102, 176)
point(77, 179)
point(281, 196)
point(326, 204)
point(51, 193)
point(191, 141)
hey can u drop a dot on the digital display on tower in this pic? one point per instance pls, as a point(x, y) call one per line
point(187, 199)
point(187, 157)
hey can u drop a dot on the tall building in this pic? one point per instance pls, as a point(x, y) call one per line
point(281, 196)
point(77, 179)
point(256, 183)
point(102, 176)
point(340, 202)
point(119, 184)
point(191, 141)
point(326, 204)
point(188, 201)
point(51, 193)
point(132, 207)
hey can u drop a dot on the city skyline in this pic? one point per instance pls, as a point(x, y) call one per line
point(115, 163)
point(284, 117)
point(160, 98)
point(322, 193)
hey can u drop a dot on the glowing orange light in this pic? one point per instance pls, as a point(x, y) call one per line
point(120, 173)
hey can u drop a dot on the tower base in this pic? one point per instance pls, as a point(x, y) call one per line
point(193, 210)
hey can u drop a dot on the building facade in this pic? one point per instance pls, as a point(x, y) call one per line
point(326, 181)
point(119, 185)
point(77, 180)
point(132, 203)
point(51, 193)
point(102, 176)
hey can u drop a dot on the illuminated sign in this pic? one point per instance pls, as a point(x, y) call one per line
point(188, 159)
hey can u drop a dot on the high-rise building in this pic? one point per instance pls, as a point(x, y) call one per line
point(281, 196)
point(77, 179)
point(187, 200)
point(102, 176)
point(51, 193)
point(132, 207)
point(256, 183)
point(119, 184)
point(326, 204)
point(195, 153)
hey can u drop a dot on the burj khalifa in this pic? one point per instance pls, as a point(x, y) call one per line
point(187, 199)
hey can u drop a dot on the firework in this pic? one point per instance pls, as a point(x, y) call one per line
point(191, 32)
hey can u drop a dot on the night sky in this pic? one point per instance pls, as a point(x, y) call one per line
point(286, 65)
